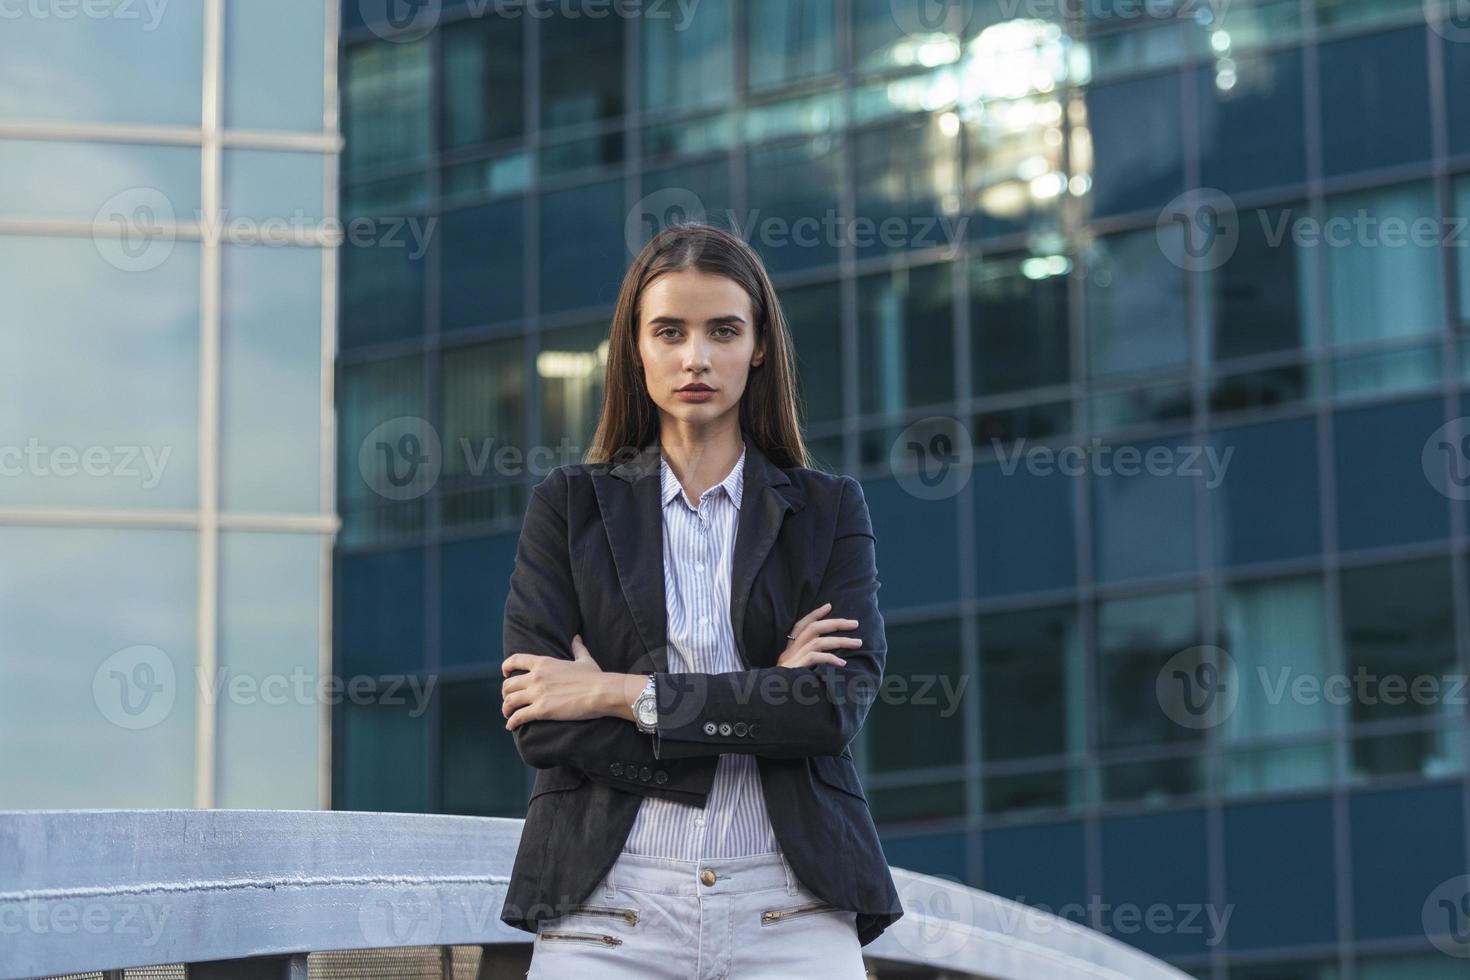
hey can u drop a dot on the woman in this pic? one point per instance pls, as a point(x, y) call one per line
point(696, 811)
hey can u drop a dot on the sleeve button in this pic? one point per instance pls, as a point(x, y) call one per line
point(616, 768)
point(725, 728)
point(741, 728)
point(709, 728)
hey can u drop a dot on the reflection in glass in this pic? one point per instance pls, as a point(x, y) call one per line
point(368, 395)
point(788, 40)
point(926, 727)
point(482, 82)
point(583, 251)
point(270, 630)
point(572, 368)
point(813, 317)
point(1135, 304)
point(1135, 639)
point(482, 264)
point(270, 379)
point(1250, 120)
point(131, 189)
point(1031, 681)
point(385, 103)
point(1378, 113)
point(66, 70)
point(796, 226)
point(1137, 488)
point(905, 338)
point(1019, 336)
point(581, 70)
point(81, 597)
point(1383, 277)
point(687, 60)
point(907, 185)
point(1398, 629)
point(1137, 149)
point(113, 412)
point(273, 64)
point(1261, 299)
point(1015, 178)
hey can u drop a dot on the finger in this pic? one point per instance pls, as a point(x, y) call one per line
point(828, 625)
point(804, 621)
point(520, 717)
point(834, 642)
point(515, 701)
point(815, 657)
point(512, 662)
point(579, 649)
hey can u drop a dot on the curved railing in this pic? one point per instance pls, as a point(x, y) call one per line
point(255, 893)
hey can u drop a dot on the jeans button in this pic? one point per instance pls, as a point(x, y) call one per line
point(707, 876)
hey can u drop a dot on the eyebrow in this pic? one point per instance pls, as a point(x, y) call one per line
point(679, 321)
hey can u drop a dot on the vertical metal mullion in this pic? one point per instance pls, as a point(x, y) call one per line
point(206, 721)
point(433, 352)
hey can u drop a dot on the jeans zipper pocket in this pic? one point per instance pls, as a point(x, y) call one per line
point(630, 915)
point(581, 937)
point(777, 915)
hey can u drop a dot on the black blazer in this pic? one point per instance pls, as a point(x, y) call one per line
point(590, 561)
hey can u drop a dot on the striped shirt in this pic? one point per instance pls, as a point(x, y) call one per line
point(699, 550)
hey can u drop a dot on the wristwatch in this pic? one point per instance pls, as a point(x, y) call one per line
point(645, 708)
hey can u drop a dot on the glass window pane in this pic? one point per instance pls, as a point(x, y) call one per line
point(799, 182)
point(474, 583)
point(382, 280)
point(482, 277)
point(142, 68)
point(1155, 860)
point(1378, 115)
point(1251, 129)
point(101, 373)
point(271, 379)
point(385, 592)
point(385, 103)
point(1263, 495)
point(1135, 304)
point(1398, 628)
point(383, 753)
point(581, 69)
point(1043, 865)
point(788, 40)
point(1019, 336)
point(1031, 684)
point(271, 724)
point(1136, 637)
point(141, 190)
point(481, 772)
point(97, 678)
point(483, 392)
point(1404, 843)
point(1383, 496)
point(813, 316)
point(584, 253)
point(1261, 299)
point(261, 184)
point(926, 801)
point(905, 338)
point(1432, 967)
point(924, 726)
point(383, 467)
point(1457, 76)
point(274, 64)
point(1279, 869)
point(1146, 486)
point(907, 186)
point(572, 371)
point(1460, 228)
point(1276, 634)
point(1012, 499)
point(687, 61)
point(1381, 279)
point(931, 566)
point(688, 192)
point(1138, 156)
point(483, 82)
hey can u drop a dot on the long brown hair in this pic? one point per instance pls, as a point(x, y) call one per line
point(768, 408)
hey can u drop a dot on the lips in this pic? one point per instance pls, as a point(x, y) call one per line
point(696, 388)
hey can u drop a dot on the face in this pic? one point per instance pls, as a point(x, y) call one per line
point(696, 329)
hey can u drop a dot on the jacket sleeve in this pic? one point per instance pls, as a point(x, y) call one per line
point(541, 617)
point(790, 712)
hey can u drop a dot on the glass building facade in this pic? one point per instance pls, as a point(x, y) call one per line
point(167, 503)
point(1186, 284)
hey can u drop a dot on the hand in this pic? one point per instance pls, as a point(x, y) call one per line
point(810, 645)
point(549, 687)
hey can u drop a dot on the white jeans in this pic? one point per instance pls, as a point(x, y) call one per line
point(652, 917)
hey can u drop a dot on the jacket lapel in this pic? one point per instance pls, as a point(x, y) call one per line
point(628, 495)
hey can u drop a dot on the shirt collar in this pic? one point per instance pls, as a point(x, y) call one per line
point(733, 484)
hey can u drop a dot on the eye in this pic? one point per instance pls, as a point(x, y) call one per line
point(733, 331)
